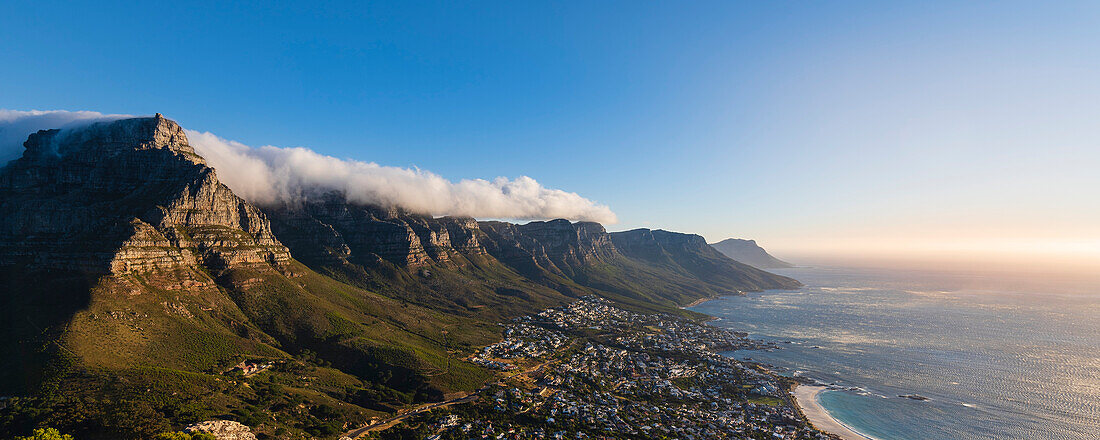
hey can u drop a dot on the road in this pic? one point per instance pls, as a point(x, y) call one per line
point(387, 423)
point(390, 422)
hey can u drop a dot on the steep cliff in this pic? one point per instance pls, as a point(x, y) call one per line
point(329, 230)
point(557, 246)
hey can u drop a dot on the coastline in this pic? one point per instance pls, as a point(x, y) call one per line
point(806, 398)
point(700, 301)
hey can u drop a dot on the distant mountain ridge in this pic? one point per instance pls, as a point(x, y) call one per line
point(377, 248)
point(135, 280)
point(691, 255)
point(750, 253)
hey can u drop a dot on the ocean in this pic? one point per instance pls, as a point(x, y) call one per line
point(997, 356)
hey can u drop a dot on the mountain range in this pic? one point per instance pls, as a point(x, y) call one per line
point(137, 289)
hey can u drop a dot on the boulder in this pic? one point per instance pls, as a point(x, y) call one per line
point(223, 430)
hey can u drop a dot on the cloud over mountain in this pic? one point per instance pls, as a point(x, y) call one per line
point(268, 175)
point(16, 125)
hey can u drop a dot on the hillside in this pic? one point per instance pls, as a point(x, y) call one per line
point(750, 253)
point(135, 288)
point(127, 266)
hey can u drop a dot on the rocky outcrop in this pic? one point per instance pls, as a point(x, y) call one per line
point(125, 196)
point(222, 430)
point(750, 253)
point(463, 232)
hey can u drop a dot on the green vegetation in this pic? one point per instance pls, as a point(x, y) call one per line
point(48, 434)
point(766, 400)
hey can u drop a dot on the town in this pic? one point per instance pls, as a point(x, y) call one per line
point(590, 370)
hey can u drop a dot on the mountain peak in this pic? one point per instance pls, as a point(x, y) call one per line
point(110, 138)
point(748, 252)
point(125, 196)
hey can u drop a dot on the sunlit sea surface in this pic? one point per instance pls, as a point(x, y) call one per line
point(999, 357)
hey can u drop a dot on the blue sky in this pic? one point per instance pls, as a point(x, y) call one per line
point(811, 126)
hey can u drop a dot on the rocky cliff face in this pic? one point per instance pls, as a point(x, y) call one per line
point(656, 244)
point(557, 245)
point(125, 196)
point(330, 230)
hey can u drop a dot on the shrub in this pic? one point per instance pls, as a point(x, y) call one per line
point(185, 436)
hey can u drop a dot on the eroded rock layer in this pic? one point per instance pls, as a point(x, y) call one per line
point(330, 230)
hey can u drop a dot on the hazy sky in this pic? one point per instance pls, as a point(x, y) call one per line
point(860, 128)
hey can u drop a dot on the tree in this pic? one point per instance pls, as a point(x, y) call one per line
point(46, 434)
point(173, 436)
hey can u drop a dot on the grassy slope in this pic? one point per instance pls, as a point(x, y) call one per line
point(487, 290)
point(140, 355)
point(478, 287)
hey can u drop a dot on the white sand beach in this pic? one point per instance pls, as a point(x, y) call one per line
point(806, 397)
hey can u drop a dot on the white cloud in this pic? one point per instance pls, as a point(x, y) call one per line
point(268, 175)
point(16, 125)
